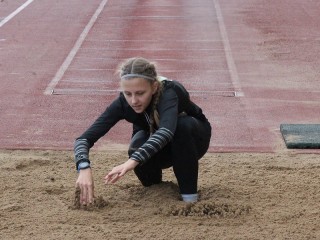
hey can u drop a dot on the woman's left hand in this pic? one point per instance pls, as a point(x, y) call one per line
point(120, 170)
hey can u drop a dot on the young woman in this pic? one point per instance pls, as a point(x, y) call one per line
point(168, 130)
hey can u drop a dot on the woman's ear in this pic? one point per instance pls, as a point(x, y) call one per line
point(155, 86)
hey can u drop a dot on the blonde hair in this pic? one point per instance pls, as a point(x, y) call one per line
point(141, 67)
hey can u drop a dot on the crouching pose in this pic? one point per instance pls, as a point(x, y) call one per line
point(169, 130)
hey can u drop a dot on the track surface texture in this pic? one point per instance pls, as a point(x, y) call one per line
point(251, 65)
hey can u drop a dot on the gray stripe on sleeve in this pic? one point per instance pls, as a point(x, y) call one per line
point(81, 150)
point(153, 145)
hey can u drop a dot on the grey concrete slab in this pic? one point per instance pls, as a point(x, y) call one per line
point(301, 135)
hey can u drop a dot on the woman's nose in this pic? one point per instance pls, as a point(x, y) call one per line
point(134, 99)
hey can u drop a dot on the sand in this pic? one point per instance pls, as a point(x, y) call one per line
point(242, 196)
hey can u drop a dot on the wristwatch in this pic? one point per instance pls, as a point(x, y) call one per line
point(83, 165)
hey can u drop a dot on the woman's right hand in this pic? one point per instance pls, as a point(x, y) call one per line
point(85, 183)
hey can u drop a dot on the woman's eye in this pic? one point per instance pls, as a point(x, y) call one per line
point(140, 93)
point(127, 94)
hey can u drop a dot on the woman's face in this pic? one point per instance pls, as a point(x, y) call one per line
point(138, 92)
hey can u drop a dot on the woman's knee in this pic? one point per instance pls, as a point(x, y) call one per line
point(193, 135)
point(137, 141)
point(186, 126)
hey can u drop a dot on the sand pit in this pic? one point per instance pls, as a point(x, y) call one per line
point(242, 196)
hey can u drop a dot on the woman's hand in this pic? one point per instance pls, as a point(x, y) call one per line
point(119, 171)
point(85, 183)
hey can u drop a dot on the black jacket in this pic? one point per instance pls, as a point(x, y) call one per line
point(173, 101)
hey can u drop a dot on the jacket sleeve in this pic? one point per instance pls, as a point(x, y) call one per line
point(98, 129)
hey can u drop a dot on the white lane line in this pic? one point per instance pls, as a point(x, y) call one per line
point(65, 65)
point(12, 15)
point(227, 49)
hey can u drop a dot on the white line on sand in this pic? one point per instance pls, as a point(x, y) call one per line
point(63, 68)
point(227, 49)
point(12, 15)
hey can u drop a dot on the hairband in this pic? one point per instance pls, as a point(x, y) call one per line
point(133, 75)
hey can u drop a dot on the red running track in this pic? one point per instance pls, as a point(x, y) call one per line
point(250, 64)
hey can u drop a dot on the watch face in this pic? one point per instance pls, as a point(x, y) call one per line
point(83, 165)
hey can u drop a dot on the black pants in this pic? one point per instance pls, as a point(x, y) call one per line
point(190, 142)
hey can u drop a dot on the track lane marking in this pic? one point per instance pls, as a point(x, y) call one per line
point(228, 52)
point(65, 65)
point(13, 14)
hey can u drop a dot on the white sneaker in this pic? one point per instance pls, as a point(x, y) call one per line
point(189, 197)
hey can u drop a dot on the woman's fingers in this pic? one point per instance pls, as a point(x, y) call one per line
point(83, 195)
point(86, 194)
point(119, 171)
point(114, 176)
point(111, 178)
point(90, 194)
